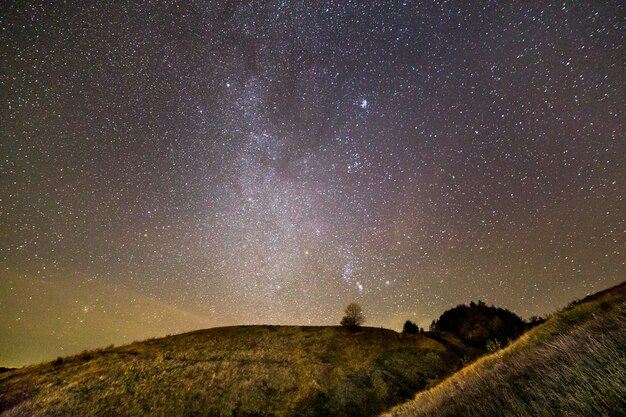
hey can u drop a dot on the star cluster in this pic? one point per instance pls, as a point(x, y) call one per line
point(168, 166)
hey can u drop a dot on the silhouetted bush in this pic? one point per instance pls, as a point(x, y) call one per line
point(410, 327)
point(478, 323)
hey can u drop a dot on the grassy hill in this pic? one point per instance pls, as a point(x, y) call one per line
point(237, 371)
point(572, 365)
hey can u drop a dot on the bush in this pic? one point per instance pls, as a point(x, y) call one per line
point(476, 324)
point(410, 327)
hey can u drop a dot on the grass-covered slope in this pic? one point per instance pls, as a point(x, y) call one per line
point(572, 365)
point(249, 370)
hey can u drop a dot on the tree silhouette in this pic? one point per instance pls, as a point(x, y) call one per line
point(410, 327)
point(353, 316)
point(476, 324)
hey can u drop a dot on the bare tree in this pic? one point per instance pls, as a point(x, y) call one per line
point(353, 316)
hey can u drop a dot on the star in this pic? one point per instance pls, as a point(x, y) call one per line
point(240, 165)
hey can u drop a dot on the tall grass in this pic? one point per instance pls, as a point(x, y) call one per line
point(573, 365)
point(248, 370)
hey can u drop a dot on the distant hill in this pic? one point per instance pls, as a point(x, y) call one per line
point(238, 371)
point(572, 365)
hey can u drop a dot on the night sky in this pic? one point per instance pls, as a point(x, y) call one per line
point(170, 166)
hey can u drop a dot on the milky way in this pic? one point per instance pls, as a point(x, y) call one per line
point(167, 167)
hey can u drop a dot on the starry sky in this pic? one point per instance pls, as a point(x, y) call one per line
point(170, 166)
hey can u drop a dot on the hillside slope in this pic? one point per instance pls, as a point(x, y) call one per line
point(236, 371)
point(572, 365)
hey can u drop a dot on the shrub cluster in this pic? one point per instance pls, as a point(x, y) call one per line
point(411, 328)
point(478, 324)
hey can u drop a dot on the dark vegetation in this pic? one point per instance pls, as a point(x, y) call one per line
point(411, 328)
point(480, 325)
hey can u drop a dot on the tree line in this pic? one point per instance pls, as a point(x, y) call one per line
point(477, 324)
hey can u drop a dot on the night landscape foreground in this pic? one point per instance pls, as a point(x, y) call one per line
point(572, 363)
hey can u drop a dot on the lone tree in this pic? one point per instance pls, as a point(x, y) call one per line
point(353, 316)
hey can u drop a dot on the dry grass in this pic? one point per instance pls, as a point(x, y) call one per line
point(573, 365)
point(233, 371)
